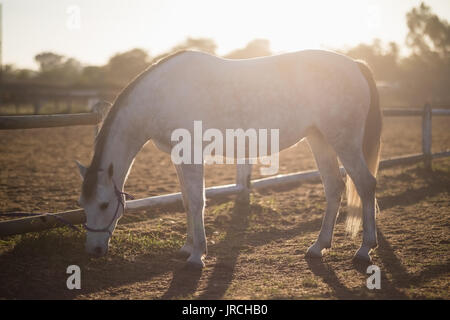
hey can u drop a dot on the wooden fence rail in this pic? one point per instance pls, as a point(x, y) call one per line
point(47, 221)
point(48, 121)
point(95, 117)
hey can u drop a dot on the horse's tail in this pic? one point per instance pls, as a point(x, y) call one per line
point(371, 150)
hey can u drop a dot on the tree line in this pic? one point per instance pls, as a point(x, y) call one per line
point(422, 75)
point(120, 68)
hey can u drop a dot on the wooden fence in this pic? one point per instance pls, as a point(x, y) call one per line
point(59, 97)
point(47, 221)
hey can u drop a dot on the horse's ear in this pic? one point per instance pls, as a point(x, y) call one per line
point(81, 168)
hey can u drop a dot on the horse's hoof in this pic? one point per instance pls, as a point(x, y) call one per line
point(191, 265)
point(363, 255)
point(182, 254)
point(362, 259)
point(185, 251)
point(314, 252)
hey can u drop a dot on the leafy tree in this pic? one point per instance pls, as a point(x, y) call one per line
point(421, 76)
point(48, 61)
point(93, 75)
point(10, 73)
point(424, 75)
point(426, 72)
point(383, 60)
point(55, 68)
point(123, 67)
point(200, 44)
point(427, 32)
point(255, 48)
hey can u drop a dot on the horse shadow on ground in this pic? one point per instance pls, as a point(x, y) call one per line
point(43, 272)
point(399, 277)
point(437, 181)
point(237, 239)
point(322, 269)
point(185, 281)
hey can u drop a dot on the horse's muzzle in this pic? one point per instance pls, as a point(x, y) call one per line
point(97, 244)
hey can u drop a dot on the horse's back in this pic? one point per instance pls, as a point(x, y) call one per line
point(291, 91)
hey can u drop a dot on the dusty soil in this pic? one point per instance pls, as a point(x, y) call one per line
point(255, 251)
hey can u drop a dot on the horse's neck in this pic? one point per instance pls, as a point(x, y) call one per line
point(123, 143)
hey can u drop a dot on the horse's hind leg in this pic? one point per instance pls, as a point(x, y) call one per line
point(334, 186)
point(193, 188)
point(352, 158)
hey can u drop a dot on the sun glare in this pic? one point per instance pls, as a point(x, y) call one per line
point(108, 26)
point(288, 25)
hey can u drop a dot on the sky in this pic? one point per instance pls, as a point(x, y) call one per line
point(93, 30)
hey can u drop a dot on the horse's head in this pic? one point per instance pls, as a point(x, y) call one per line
point(103, 204)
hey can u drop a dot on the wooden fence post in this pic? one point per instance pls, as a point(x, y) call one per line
point(69, 105)
point(426, 135)
point(37, 104)
point(243, 179)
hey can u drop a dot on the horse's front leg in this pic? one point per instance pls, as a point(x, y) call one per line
point(193, 189)
point(188, 246)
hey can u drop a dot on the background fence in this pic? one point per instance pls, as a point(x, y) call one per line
point(20, 96)
point(52, 220)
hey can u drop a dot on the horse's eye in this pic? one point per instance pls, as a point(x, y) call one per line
point(104, 205)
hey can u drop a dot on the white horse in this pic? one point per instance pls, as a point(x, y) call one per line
point(325, 97)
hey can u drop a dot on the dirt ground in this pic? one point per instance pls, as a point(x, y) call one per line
point(255, 251)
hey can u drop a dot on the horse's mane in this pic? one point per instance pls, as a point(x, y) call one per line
point(90, 178)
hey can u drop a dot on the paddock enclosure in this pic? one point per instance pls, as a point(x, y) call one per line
point(256, 250)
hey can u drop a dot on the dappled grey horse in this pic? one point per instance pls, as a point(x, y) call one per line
point(327, 98)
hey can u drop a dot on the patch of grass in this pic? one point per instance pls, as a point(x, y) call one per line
point(46, 242)
point(442, 165)
point(310, 283)
point(128, 242)
point(266, 205)
point(221, 208)
point(71, 244)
